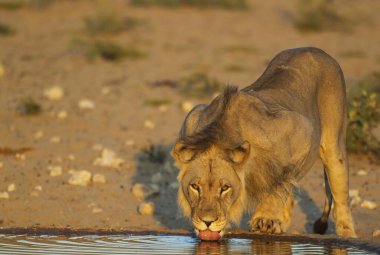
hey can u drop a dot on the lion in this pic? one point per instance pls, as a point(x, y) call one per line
point(247, 149)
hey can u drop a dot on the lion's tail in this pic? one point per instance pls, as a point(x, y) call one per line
point(320, 225)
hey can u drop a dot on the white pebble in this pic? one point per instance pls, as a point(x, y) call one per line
point(97, 210)
point(55, 170)
point(362, 173)
point(38, 135)
point(149, 124)
point(4, 195)
point(86, 104)
point(99, 178)
point(129, 142)
point(105, 90)
point(108, 158)
point(146, 208)
point(54, 93)
point(2, 70)
point(20, 156)
point(368, 204)
point(173, 185)
point(187, 106)
point(353, 193)
point(355, 201)
point(139, 190)
point(156, 178)
point(38, 187)
point(55, 139)
point(62, 115)
point(163, 108)
point(80, 178)
point(11, 187)
point(376, 233)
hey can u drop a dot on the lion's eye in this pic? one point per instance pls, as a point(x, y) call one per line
point(225, 188)
point(194, 186)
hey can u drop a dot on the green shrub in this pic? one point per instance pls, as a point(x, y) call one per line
point(106, 50)
point(364, 116)
point(6, 30)
point(28, 106)
point(225, 4)
point(319, 15)
point(108, 23)
point(199, 85)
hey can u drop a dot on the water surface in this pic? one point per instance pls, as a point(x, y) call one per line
point(159, 244)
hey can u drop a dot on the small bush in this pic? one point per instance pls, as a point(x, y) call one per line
point(28, 106)
point(156, 154)
point(364, 116)
point(11, 5)
point(225, 4)
point(156, 102)
point(6, 30)
point(106, 50)
point(108, 23)
point(318, 16)
point(199, 85)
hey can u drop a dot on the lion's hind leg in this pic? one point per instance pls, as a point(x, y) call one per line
point(272, 215)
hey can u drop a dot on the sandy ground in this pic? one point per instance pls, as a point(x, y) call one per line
point(177, 42)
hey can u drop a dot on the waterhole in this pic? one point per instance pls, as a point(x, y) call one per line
point(166, 244)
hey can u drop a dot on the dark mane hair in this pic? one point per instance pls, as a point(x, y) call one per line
point(214, 132)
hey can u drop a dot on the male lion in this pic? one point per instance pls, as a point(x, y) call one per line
point(247, 149)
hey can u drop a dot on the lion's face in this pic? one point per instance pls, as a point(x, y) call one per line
point(211, 191)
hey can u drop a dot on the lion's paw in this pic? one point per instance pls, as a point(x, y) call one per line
point(265, 225)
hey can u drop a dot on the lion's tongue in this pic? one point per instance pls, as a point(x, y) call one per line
point(208, 235)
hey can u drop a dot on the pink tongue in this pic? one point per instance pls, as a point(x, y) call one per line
point(208, 235)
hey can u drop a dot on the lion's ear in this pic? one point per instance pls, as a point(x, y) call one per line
point(183, 153)
point(240, 153)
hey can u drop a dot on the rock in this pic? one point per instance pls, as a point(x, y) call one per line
point(99, 178)
point(20, 156)
point(139, 190)
point(368, 204)
point(173, 185)
point(2, 70)
point(353, 193)
point(355, 201)
point(156, 178)
point(54, 93)
point(149, 124)
point(38, 187)
point(361, 173)
point(62, 115)
point(71, 157)
point(79, 178)
point(11, 187)
point(1, 164)
point(86, 104)
point(129, 142)
point(146, 208)
point(55, 139)
point(376, 233)
point(38, 135)
point(55, 170)
point(187, 106)
point(97, 210)
point(163, 108)
point(4, 195)
point(105, 90)
point(108, 158)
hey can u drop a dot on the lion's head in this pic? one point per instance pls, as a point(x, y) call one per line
point(211, 190)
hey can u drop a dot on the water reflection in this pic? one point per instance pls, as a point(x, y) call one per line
point(151, 244)
point(262, 247)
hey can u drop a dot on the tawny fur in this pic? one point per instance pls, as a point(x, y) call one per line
point(247, 149)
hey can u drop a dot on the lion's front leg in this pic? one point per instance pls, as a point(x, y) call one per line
point(272, 215)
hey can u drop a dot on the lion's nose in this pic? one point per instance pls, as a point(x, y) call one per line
point(209, 222)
